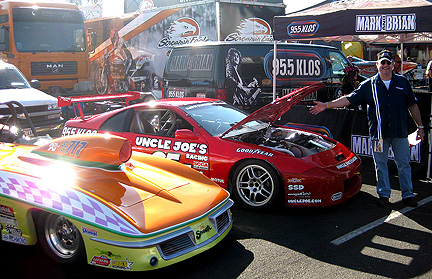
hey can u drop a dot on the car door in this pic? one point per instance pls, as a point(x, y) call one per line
point(164, 133)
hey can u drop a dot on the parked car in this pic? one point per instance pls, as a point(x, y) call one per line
point(88, 198)
point(41, 107)
point(258, 161)
point(242, 73)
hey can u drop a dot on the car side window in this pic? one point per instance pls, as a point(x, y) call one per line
point(339, 62)
point(158, 122)
point(118, 122)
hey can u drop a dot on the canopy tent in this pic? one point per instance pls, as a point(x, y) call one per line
point(379, 21)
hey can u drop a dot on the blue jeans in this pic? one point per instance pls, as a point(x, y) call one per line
point(402, 156)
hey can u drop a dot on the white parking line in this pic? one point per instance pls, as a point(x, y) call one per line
point(361, 230)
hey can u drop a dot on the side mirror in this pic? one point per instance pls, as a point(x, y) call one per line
point(35, 83)
point(4, 40)
point(93, 39)
point(185, 134)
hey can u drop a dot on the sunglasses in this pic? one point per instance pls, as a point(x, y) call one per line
point(385, 62)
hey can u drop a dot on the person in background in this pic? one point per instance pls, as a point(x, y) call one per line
point(349, 81)
point(397, 64)
point(429, 75)
point(389, 98)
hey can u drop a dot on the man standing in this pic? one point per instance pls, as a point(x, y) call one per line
point(389, 98)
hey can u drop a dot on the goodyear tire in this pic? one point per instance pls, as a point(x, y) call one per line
point(60, 239)
point(255, 185)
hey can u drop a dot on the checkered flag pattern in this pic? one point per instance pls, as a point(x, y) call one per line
point(69, 202)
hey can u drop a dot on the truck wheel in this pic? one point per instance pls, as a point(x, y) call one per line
point(60, 239)
point(256, 185)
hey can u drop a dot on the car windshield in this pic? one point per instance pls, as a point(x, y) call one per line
point(217, 117)
point(11, 78)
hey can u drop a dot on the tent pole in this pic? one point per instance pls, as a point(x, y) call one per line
point(274, 68)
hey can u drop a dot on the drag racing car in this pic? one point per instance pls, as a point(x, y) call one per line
point(90, 198)
point(249, 155)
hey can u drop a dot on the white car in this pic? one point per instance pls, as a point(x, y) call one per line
point(42, 108)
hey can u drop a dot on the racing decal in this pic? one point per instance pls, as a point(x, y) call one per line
point(200, 165)
point(295, 65)
point(362, 146)
point(295, 187)
point(72, 148)
point(254, 151)
point(347, 163)
point(6, 210)
point(13, 230)
point(166, 144)
point(300, 194)
point(182, 31)
point(202, 230)
point(65, 200)
point(14, 239)
point(302, 28)
point(336, 196)
point(8, 220)
point(123, 265)
point(67, 131)
point(100, 260)
point(89, 231)
point(294, 180)
point(305, 201)
point(218, 180)
point(251, 30)
point(196, 157)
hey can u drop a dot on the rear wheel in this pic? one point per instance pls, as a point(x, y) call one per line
point(256, 185)
point(60, 239)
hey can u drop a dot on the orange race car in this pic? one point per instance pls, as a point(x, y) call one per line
point(90, 198)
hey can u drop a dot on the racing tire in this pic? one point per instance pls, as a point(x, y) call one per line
point(255, 185)
point(60, 239)
point(101, 82)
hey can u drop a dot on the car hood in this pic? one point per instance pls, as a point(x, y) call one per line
point(273, 111)
point(27, 97)
point(149, 192)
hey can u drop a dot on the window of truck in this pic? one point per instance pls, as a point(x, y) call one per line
point(192, 63)
point(339, 62)
point(37, 30)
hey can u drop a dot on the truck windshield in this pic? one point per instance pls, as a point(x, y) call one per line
point(48, 30)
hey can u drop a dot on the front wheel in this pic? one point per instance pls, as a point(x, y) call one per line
point(255, 185)
point(60, 239)
point(101, 82)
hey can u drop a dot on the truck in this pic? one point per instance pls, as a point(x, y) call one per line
point(47, 42)
point(150, 37)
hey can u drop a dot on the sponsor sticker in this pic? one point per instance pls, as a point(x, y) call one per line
point(6, 210)
point(14, 239)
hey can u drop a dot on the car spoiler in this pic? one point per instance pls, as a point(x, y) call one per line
point(67, 101)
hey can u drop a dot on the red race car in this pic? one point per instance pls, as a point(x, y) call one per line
point(255, 159)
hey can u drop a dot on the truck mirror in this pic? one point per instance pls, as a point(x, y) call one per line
point(93, 39)
point(3, 37)
point(35, 83)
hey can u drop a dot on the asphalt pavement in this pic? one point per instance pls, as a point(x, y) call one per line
point(356, 239)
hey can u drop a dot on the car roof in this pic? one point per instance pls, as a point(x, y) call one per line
point(249, 44)
point(5, 65)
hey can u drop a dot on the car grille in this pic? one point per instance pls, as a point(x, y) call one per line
point(185, 242)
point(176, 245)
point(54, 68)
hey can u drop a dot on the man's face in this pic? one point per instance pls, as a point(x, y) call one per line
point(384, 66)
point(397, 64)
